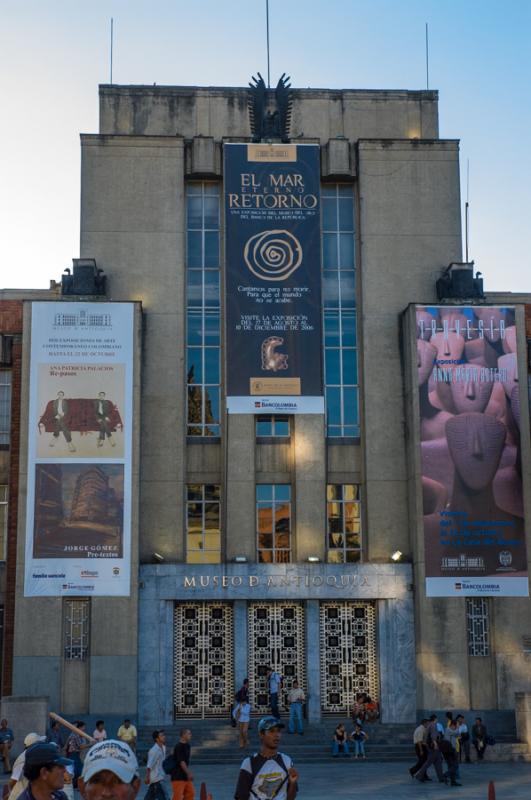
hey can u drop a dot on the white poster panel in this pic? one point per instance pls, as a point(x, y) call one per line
point(78, 521)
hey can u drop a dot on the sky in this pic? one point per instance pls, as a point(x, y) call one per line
point(54, 54)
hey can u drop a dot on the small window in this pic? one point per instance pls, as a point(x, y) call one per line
point(203, 532)
point(273, 522)
point(273, 426)
point(3, 521)
point(5, 407)
point(344, 523)
point(76, 626)
point(477, 624)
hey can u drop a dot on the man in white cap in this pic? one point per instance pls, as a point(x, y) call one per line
point(18, 781)
point(110, 771)
point(268, 773)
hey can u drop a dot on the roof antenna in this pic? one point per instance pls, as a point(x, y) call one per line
point(427, 60)
point(112, 42)
point(267, 34)
point(467, 207)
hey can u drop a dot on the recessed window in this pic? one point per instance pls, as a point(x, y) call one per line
point(76, 627)
point(339, 302)
point(273, 522)
point(203, 531)
point(5, 407)
point(477, 624)
point(203, 365)
point(344, 523)
point(273, 426)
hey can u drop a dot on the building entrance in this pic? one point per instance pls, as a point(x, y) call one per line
point(276, 639)
point(203, 659)
point(348, 654)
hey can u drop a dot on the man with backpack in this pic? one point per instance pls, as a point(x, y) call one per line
point(268, 774)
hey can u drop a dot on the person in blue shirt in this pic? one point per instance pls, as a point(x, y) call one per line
point(275, 684)
point(6, 743)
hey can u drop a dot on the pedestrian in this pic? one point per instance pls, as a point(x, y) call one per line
point(110, 772)
point(340, 742)
point(479, 737)
point(127, 733)
point(359, 737)
point(464, 739)
point(372, 711)
point(434, 754)
point(100, 734)
point(182, 777)
point(357, 712)
point(18, 781)
point(6, 743)
point(267, 774)
point(44, 768)
point(450, 756)
point(75, 746)
point(68, 787)
point(55, 734)
point(242, 695)
point(421, 748)
point(155, 774)
point(242, 716)
point(275, 684)
point(296, 698)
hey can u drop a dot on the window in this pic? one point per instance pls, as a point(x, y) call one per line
point(273, 522)
point(203, 532)
point(272, 426)
point(203, 310)
point(5, 407)
point(339, 302)
point(344, 523)
point(477, 624)
point(76, 625)
point(3, 521)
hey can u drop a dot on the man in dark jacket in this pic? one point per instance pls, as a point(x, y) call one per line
point(479, 737)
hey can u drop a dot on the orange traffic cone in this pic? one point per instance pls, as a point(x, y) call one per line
point(492, 791)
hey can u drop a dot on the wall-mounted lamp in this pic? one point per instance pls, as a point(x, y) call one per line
point(240, 559)
point(313, 559)
point(396, 556)
point(157, 557)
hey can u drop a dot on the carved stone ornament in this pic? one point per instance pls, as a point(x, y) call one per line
point(270, 110)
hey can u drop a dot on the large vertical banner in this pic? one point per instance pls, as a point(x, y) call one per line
point(474, 527)
point(273, 279)
point(78, 529)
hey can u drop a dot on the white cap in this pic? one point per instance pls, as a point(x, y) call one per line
point(113, 755)
point(33, 738)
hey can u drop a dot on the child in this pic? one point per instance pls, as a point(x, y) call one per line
point(359, 737)
point(242, 715)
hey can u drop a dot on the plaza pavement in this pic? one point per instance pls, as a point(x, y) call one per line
point(380, 781)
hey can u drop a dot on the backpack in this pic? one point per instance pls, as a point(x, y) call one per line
point(257, 761)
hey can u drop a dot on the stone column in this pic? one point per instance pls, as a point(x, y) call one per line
point(240, 643)
point(313, 667)
point(398, 685)
point(522, 707)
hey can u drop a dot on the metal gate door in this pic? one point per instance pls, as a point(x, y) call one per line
point(276, 639)
point(203, 653)
point(348, 654)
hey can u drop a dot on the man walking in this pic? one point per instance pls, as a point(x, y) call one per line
point(421, 749)
point(296, 698)
point(155, 775)
point(181, 776)
point(464, 739)
point(44, 767)
point(110, 772)
point(434, 754)
point(275, 683)
point(268, 773)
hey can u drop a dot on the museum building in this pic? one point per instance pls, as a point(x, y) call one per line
point(268, 532)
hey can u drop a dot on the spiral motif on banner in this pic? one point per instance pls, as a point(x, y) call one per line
point(273, 255)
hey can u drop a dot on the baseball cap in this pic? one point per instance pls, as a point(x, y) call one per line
point(113, 755)
point(267, 723)
point(33, 738)
point(42, 753)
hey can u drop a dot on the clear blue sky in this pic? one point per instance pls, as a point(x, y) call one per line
point(54, 54)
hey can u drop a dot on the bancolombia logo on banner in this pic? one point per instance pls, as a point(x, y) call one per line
point(273, 279)
point(474, 531)
point(78, 530)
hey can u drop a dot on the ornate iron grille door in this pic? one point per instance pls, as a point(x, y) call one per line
point(276, 639)
point(348, 654)
point(203, 653)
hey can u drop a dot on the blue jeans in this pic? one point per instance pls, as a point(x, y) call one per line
point(336, 746)
point(359, 748)
point(295, 717)
point(274, 704)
